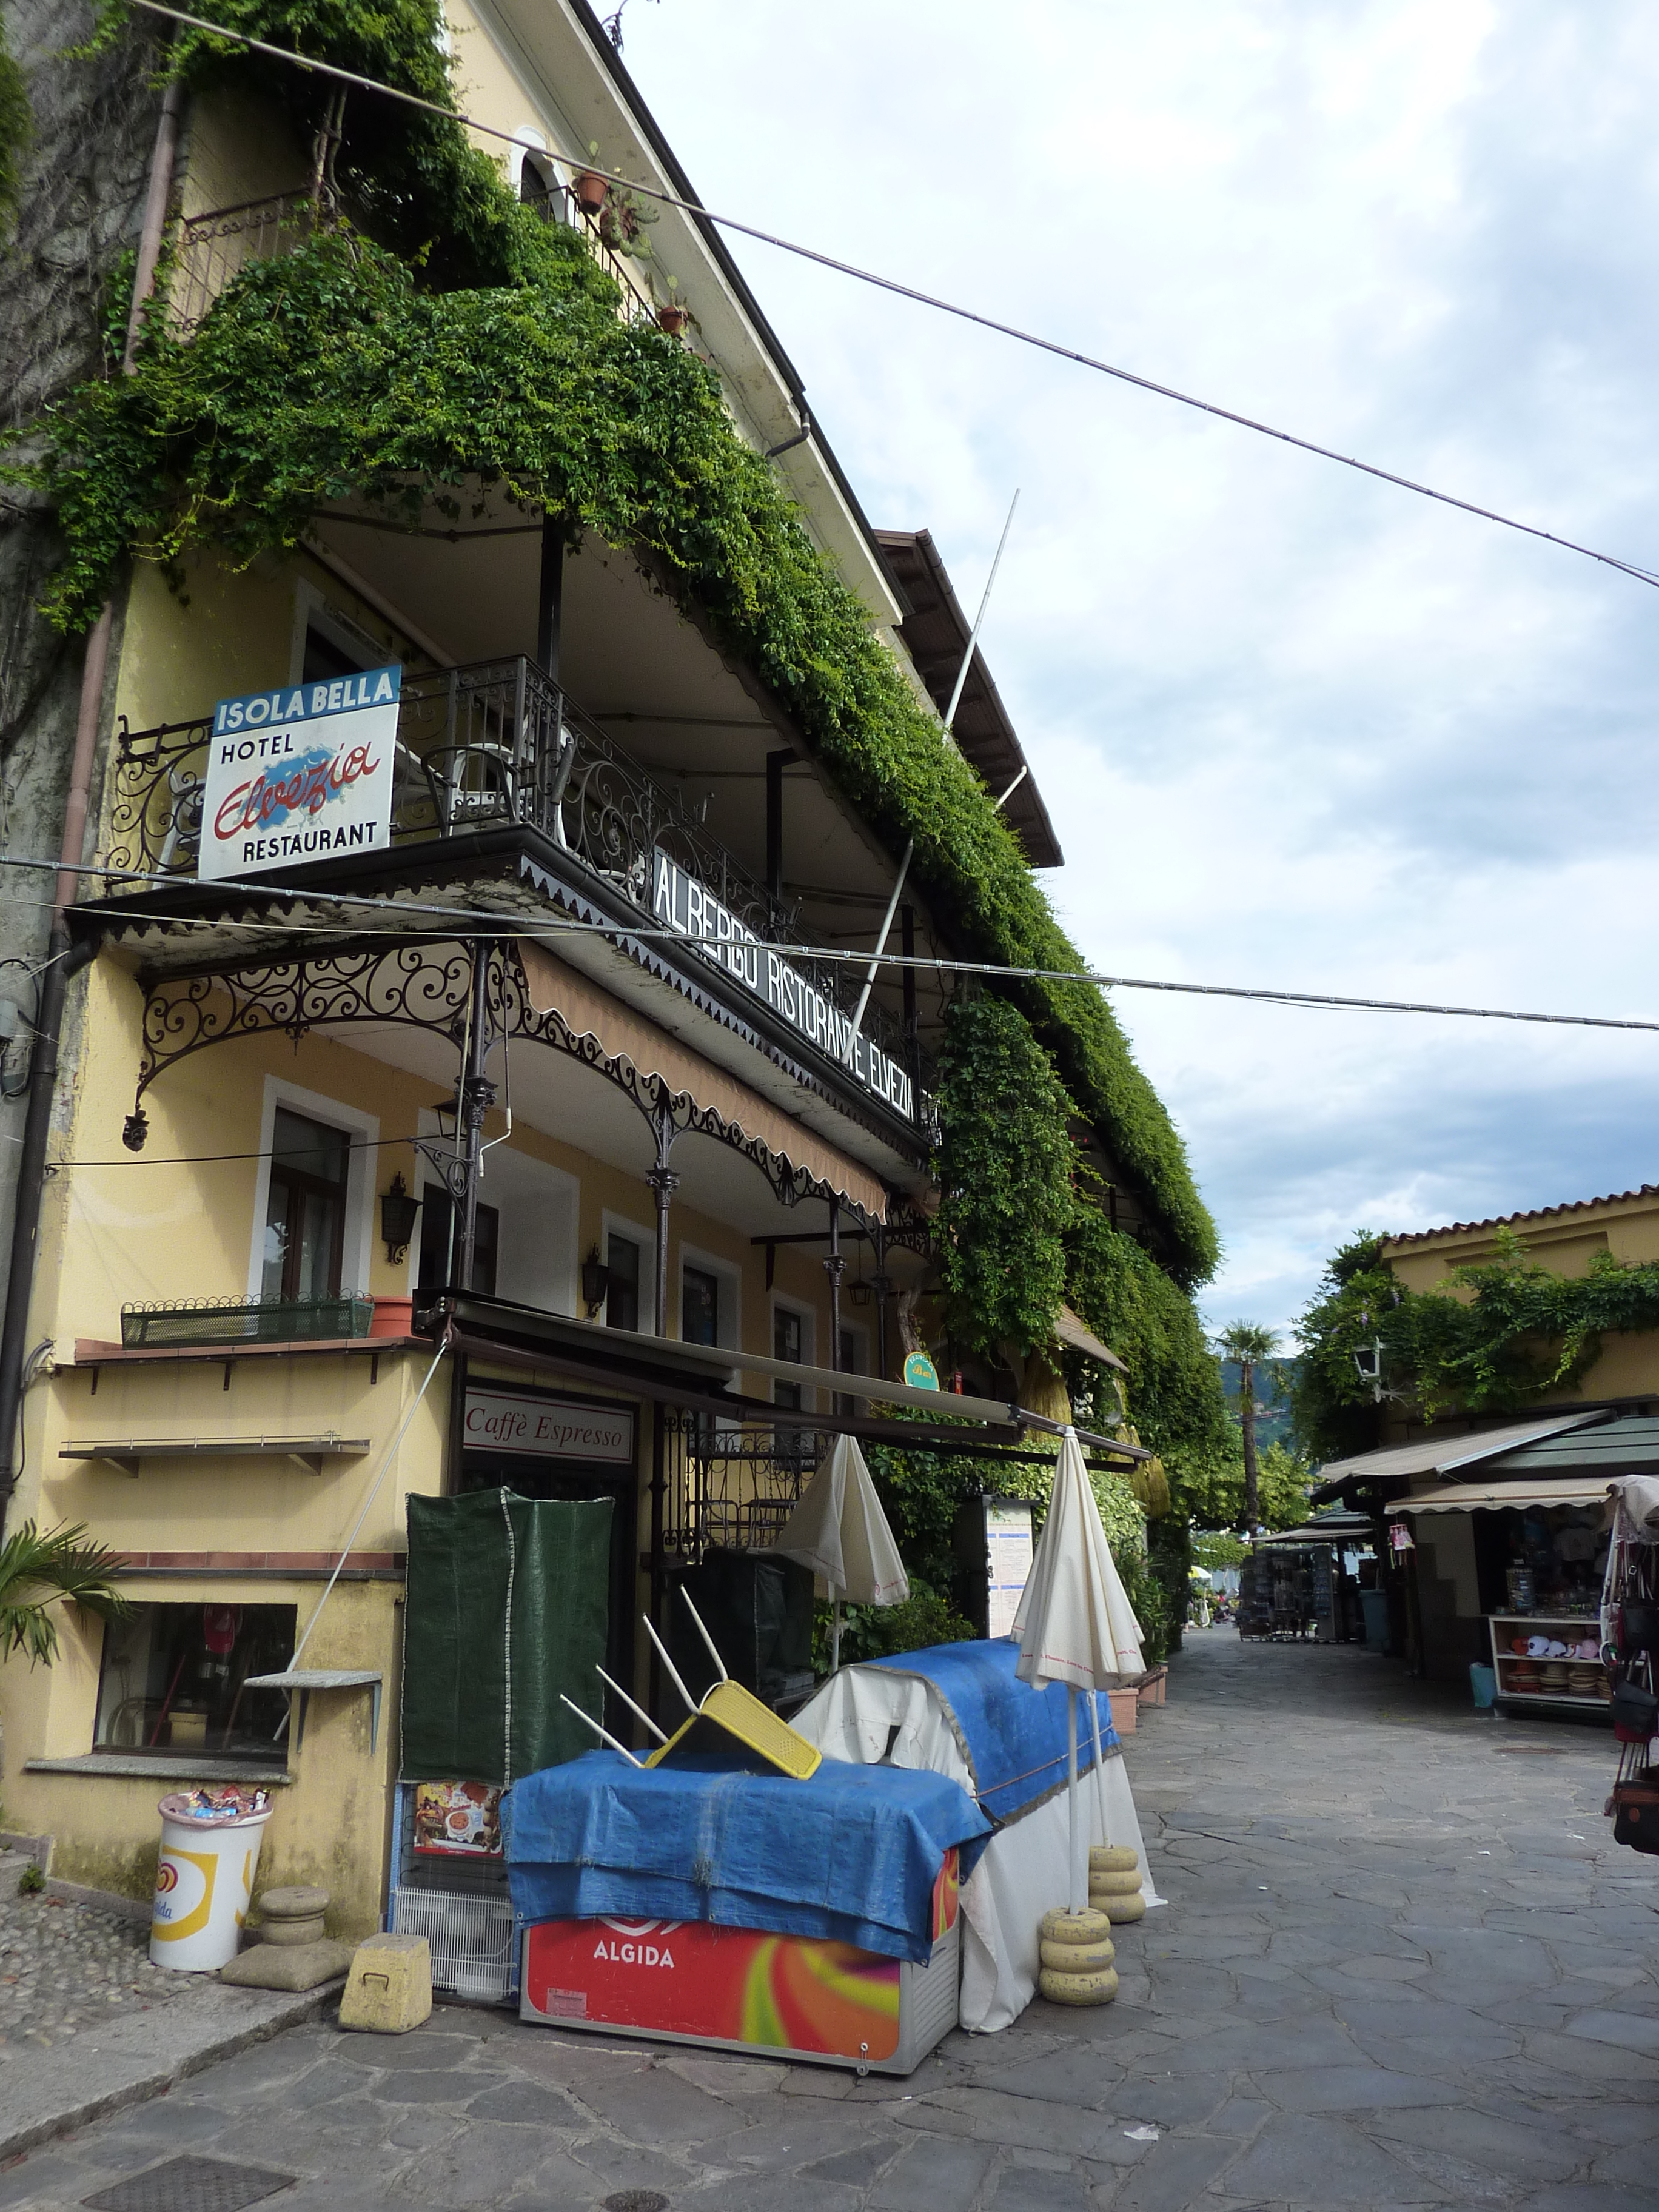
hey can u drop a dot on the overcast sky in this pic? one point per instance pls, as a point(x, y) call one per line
point(1296, 729)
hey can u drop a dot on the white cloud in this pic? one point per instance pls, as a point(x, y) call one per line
point(1297, 728)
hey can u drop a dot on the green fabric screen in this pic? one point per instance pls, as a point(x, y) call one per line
point(506, 1605)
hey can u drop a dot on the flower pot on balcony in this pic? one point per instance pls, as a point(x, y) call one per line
point(673, 320)
point(392, 1317)
point(591, 189)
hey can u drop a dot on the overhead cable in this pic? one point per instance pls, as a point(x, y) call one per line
point(484, 928)
point(921, 299)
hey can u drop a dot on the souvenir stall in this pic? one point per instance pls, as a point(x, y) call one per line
point(1532, 1555)
point(1630, 1638)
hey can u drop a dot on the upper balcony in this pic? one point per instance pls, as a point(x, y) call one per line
point(495, 758)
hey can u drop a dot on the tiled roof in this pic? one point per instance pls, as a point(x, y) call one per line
point(1538, 1213)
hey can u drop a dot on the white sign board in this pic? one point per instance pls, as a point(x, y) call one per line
point(304, 773)
point(549, 1428)
point(1008, 1562)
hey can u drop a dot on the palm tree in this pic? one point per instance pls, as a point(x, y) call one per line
point(1249, 1344)
point(39, 1567)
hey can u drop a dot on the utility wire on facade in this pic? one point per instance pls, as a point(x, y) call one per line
point(921, 299)
point(626, 932)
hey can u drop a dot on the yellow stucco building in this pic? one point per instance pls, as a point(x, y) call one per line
point(522, 1138)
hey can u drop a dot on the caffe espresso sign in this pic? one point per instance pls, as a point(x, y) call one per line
point(302, 772)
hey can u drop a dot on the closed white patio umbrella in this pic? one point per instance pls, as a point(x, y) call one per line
point(1075, 1623)
point(840, 1531)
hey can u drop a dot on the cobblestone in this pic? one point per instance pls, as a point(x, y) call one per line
point(1397, 1969)
point(64, 1967)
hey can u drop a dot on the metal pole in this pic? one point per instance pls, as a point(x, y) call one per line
point(478, 1096)
point(968, 657)
point(882, 1283)
point(835, 1266)
point(1077, 1903)
point(62, 957)
point(664, 1183)
point(949, 718)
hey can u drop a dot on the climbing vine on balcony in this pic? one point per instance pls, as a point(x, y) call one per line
point(453, 341)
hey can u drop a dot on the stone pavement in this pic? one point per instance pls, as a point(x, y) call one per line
point(1402, 1965)
point(66, 1965)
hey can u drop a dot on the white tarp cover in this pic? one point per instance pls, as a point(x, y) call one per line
point(855, 1716)
point(1075, 1623)
point(840, 1531)
point(1639, 1494)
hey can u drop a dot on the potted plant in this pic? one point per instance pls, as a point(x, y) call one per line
point(591, 191)
point(674, 317)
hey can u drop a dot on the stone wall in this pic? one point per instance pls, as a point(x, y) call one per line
point(83, 180)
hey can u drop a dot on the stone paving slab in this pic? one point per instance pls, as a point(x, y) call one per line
point(1401, 1969)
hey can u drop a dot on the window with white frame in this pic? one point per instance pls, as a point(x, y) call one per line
point(314, 1193)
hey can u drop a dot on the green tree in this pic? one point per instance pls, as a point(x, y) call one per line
point(1250, 1345)
point(1213, 1491)
point(40, 1567)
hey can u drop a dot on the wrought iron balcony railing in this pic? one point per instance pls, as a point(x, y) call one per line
point(214, 248)
point(732, 1489)
point(490, 745)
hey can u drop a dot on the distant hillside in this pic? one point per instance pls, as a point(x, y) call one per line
point(1273, 1413)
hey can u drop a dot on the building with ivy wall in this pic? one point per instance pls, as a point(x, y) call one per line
point(501, 735)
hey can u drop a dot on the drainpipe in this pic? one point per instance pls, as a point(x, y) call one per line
point(64, 957)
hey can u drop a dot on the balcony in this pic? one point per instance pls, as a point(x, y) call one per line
point(495, 745)
point(215, 248)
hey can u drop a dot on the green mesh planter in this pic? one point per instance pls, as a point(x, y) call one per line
point(244, 1320)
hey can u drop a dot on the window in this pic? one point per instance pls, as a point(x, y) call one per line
point(622, 1302)
point(539, 188)
point(325, 660)
point(700, 1306)
point(305, 1209)
point(174, 1679)
point(787, 1336)
point(438, 1228)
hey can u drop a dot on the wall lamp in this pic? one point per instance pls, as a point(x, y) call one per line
point(398, 1212)
point(596, 1282)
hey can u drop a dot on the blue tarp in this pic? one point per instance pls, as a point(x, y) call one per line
point(852, 1854)
point(1013, 1736)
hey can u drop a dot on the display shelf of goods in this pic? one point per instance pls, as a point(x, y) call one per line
point(1570, 1677)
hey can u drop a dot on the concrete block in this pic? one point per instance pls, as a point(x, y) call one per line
point(389, 1989)
point(287, 1966)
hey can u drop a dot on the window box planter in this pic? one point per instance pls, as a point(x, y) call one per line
point(241, 1321)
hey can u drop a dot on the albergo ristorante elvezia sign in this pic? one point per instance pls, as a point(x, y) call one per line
point(302, 772)
point(680, 903)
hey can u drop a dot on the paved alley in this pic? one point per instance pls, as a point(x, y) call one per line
point(1402, 1963)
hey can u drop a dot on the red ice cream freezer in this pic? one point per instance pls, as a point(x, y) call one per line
point(740, 1989)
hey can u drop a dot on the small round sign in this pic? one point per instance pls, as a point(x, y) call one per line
point(920, 1371)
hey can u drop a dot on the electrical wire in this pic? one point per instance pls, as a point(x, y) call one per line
point(923, 299)
point(510, 929)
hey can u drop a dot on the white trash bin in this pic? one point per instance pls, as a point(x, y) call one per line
point(204, 1881)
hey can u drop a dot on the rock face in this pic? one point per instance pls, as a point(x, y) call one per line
point(82, 205)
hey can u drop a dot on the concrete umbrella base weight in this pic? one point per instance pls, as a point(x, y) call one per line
point(1077, 1959)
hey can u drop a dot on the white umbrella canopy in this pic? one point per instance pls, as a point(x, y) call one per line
point(840, 1531)
point(1075, 1623)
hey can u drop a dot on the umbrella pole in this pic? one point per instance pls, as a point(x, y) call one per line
point(834, 1640)
point(1077, 1903)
